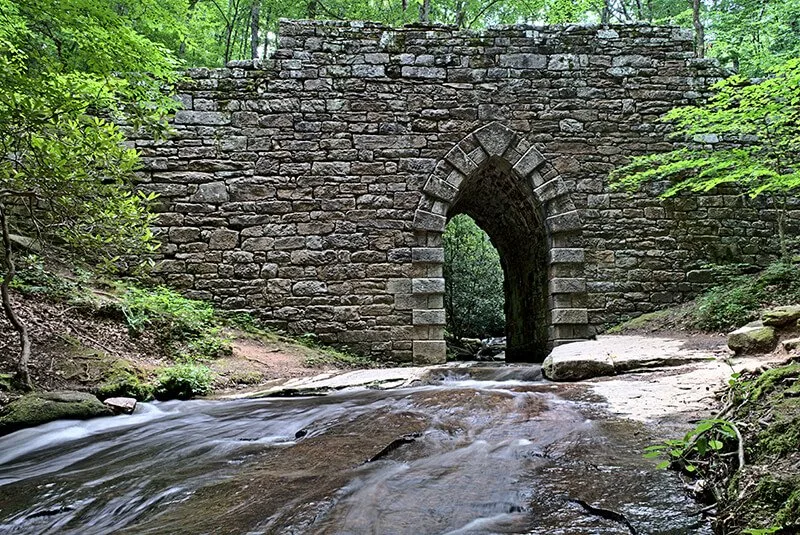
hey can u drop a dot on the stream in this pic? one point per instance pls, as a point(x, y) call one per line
point(457, 456)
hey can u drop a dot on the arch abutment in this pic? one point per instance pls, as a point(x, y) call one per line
point(565, 313)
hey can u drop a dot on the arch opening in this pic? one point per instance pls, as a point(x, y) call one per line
point(505, 184)
point(506, 208)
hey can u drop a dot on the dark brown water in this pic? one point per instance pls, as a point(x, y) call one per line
point(459, 457)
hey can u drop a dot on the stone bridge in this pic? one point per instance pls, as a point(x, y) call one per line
point(313, 188)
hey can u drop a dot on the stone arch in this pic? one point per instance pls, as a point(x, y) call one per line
point(539, 208)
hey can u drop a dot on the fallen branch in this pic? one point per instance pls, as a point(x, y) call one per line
point(741, 444)
point(605, 513)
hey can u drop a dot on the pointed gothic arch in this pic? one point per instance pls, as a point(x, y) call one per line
point(537, 230)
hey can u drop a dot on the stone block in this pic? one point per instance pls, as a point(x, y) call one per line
point(398, 286)
point(529, 162)
point(206, 118)
point(565, 222)
point(223, 239)
point(213, 192)
point(427, 286)
point(428, 221)
point(562, 255)
point(495, 138)
point(522, 61)
point(458, 159)
point(428, 317)
point(428, 255)
point(569, 315)
point(440, 189)
point(303, 288)
point(563, 285)
point(427, 352)
point(423, 72)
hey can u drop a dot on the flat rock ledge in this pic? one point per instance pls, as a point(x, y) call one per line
point(325, 383)
point(612, 355)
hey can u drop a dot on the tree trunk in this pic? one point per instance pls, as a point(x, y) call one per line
point(254, 20)
point(23, 376)
point(699, 31)
point(311, 9)
point(425, 11)
point(461, 13)
point(605, 16)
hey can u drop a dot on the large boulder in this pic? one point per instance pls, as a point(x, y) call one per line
point(39, 408)
point(577, 367)
point(755, 337)
point(782, 316)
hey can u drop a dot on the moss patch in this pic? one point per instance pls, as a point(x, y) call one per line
point(35, 409)
point(764, 497)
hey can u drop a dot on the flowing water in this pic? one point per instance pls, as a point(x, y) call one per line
point(462, 456)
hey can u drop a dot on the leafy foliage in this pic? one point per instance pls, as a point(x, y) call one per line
point(183, 381)
point(761, 122)
point(474, 297)
point(165, 311)
point(70, 72)
point(191, 327)
point(698, 447)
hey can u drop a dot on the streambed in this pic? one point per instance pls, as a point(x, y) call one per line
point(459, 455)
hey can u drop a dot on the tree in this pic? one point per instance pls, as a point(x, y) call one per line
point(473, 276)
point(70, 72)
point(747, 135)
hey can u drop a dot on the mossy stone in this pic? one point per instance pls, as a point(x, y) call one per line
point(782, 316)
point(42, 407)
point(754, 337)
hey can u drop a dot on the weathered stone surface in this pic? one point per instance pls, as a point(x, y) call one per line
point(612, 355)
point(39, 408)
point(318, 178)
point(781, 316)
point(792, 344)
point(753, 337)
point(557, 369)
point(121, 405)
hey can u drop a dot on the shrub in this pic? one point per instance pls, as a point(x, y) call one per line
point(183, 381)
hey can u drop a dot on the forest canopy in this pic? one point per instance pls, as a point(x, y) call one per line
point(749, 36)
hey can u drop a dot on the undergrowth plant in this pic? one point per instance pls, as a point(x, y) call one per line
point(183, 381)
point(327, 355)
point(738, 301)
point(702, 452)
point(166, 311)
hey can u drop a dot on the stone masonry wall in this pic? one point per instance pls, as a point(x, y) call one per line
point(313, 188)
